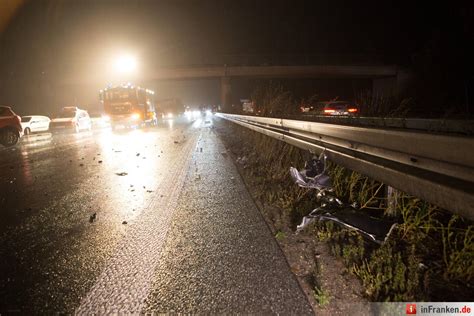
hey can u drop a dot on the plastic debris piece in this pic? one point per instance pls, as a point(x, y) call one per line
point(121, 174)
point(124, 223)
point(372, 228)
point(313, 175)
point(242, 160)
point(319, 182)
point(93, 217)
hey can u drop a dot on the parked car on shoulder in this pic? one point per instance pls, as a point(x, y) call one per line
point(34, 123)
point(337, 108)
point(10, 127)
point(71, 118)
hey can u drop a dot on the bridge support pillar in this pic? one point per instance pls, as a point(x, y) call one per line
point(226, 94)
point(397, 86)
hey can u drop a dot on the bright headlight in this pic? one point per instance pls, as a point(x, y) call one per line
point(135, 116)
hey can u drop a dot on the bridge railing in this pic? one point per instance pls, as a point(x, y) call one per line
point(437, 168)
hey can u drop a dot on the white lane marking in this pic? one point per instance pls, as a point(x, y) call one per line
point(127, 279)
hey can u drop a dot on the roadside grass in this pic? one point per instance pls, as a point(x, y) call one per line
point(321, 297)
point(280, 235)
point(429, 256)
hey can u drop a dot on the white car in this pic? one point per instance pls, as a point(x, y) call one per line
point(71, 118)
point(34, 123)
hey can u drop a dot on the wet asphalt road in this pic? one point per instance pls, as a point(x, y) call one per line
point(174, 230)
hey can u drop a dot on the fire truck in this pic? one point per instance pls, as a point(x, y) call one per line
point(129, 106)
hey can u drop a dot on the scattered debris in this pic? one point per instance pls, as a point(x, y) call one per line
point(93, 217)
point(374, 229)
point(176, 142)
point(138, 154)
point(100, 161)
point(121, 173)
point(242, 160)
point(200, 149)
point(124, 223)
point(149, 191)
point(313, 175)
point(81, 164)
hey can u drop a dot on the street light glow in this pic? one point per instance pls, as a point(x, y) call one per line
point(125, 64)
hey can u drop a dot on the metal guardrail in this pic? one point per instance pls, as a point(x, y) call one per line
point(436, 168)
point(447, 126)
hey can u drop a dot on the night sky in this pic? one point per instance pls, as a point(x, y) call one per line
point(49, 40)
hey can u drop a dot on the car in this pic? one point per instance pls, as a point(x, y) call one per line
point(71, 118)
point(99, 120)
point(337, 108)
point(34, 123)
point(10, 127)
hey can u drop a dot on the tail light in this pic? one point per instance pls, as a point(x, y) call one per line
point(352, 110)
point(327, 111)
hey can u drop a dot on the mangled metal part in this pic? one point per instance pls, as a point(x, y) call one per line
point(332, 209)
point(372, 228)
point(313, 176)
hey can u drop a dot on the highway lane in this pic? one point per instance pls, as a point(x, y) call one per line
point(57, 256)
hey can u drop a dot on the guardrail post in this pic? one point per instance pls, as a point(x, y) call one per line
point(392, 195)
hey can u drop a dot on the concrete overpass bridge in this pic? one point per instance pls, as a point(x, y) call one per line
point(389, 79)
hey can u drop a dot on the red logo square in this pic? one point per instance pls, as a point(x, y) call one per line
point(411, 309)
